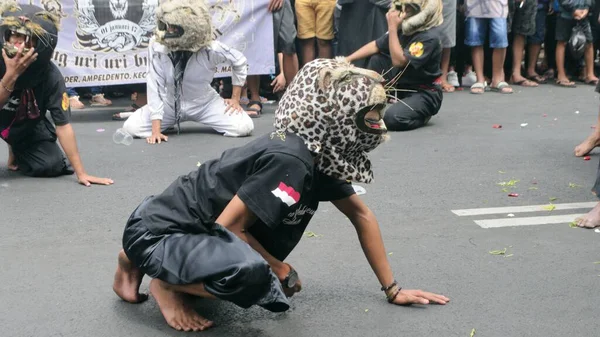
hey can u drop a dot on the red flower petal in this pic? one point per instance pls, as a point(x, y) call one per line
point(513, 195)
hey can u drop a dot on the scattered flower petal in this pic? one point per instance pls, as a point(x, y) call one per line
point(549, 207)
point(555, 119)
point(587, 158)
point(366, 310)
point(553, 198)
point(545, 115)
point(472, 333)
point(524, 125)
point(597, 230)
point(509, 255)
point(510, 215)
point(497, 126)
point(572, 185)
point(312, 234)
point(501, 172)
point(577, 112)
point(498, 252)
point(533, 188)
point(359, 189)
point(514, 195)
point(199, 164)
point(100, 130)
point(573, 224)
point(390, 253)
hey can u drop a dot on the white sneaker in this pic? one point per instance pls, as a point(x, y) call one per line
point(469, 79)
point(453, 79)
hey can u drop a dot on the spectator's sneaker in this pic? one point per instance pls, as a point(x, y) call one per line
point(453, 79)
point(76, 103)
point(99, 100)
point(469, 79)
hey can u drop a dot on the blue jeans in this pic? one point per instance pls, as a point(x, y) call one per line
point(476, 30)
point(95, 90)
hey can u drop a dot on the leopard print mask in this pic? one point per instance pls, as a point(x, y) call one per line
point(338, 110)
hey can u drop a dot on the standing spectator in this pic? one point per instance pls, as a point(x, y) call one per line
point(448, 29)
point(315, 20)
point(483, 17)
point(360, 23)
point(97, 98)
point(574, 12)
point(535, 42)
point(523, 14)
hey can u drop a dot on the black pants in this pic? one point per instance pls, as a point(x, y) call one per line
point(415, 109)
point(41, 159)
point(229, 268)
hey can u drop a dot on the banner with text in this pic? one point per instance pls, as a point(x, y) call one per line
point(104, 42)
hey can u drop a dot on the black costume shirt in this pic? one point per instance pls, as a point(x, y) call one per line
point(50, 96)
point(424, 51)
point(274, 176)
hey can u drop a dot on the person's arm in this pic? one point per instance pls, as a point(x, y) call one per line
point(221, 53)
point(394, 19)
point(237, 218)
point(15, 66)
point(156, 91)
point(365, 51)
point(371, 242)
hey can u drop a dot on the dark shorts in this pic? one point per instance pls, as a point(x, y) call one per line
point(564, 28)
point(229, 268)
point(540, 26)
point(284, 29)
point(521, 20)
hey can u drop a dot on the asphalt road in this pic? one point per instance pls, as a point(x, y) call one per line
point(59, 241)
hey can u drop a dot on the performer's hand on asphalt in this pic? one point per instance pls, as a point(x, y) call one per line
point(20, 62)
point(409, 296)
point(275, 5)
point(88, 180)
point(156, 138)
point(278, 83)
point(233, 106)
point(282, 274)
point(394, 18)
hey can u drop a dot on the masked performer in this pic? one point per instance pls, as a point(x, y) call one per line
point(224, 230)
point(409, 56)
point(182, 61)
point(31, 85)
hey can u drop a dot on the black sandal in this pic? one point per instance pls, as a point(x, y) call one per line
point(258, 111)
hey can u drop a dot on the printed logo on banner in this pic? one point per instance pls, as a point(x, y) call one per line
point(115, 25)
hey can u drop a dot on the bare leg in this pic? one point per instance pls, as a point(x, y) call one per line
point(11, 164)
point(518, 49)
point(561, 77)
point(290, 67)
point(590, 142)
point(254, 88)
point(477, 56)
point(178, 314)
point(498, 57)
point(534, 53)
point(127, 280)
point(589, 63)
point(590, 220)
point(308, 50)
point(325, 49)
point(446, 87)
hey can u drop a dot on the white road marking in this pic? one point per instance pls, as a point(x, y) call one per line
point(527, 221)
point(521, 209)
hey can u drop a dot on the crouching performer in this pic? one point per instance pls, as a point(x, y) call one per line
point(225, 230)
point(30, 86)
point(182, 61)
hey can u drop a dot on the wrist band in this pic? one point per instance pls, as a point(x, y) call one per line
point(5, 87)
point(393, 297)
point(390, 286)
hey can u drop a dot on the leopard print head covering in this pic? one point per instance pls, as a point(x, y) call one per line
point(326, 105)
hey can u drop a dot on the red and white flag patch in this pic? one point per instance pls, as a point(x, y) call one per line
point(287, 194)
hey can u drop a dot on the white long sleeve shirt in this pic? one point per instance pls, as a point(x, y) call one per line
point(197, 77)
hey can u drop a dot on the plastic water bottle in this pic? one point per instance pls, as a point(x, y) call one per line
point(122, 137)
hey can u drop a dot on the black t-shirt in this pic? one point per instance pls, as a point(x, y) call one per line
point(274, 176)
point(424, 51)
point(50, 95)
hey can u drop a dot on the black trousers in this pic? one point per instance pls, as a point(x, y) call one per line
point(229, 268)
point(41, 159)
point(414, 109)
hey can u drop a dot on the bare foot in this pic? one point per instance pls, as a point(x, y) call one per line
point(13, 167)
point(127, 280)
point(176, 312)
point(587, 145)
point(590, 220)
point(447, 87)
point(12, 162)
